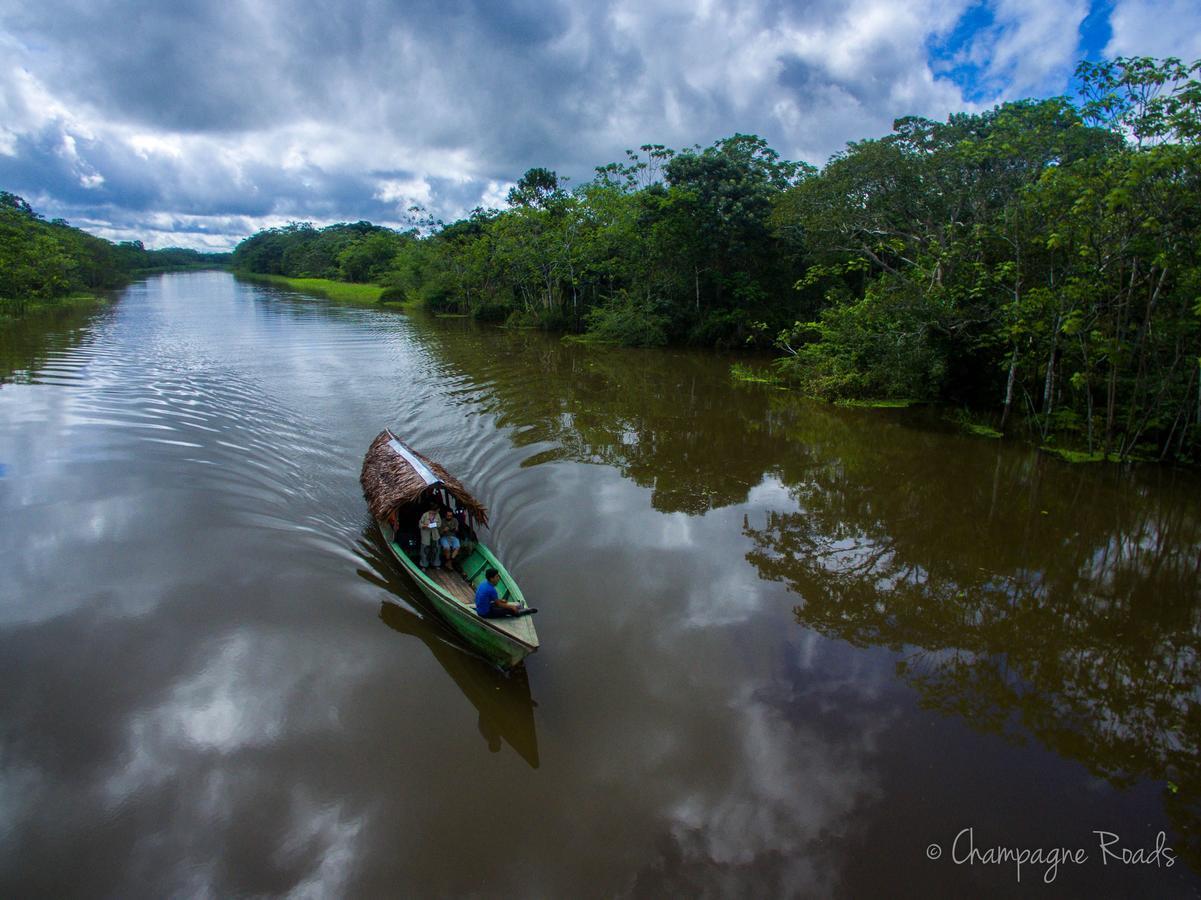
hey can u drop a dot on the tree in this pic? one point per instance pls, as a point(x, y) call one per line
point(537, 188)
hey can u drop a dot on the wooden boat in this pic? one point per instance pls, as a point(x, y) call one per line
point(398, 483)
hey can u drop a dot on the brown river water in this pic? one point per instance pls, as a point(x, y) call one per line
point(788, 649)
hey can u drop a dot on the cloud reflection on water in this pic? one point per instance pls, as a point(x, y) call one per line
point(229, 699)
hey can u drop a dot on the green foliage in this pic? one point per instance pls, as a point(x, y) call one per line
point(537, 187)
point(367, 259)
point(133, 257)
point(630, 321)
point(692, 230)
point(43, 263)
point(1038, 263)
point(880, 346)
point(358, 252)
point(1041, 261)
point(1151, 100)
point(967, 422)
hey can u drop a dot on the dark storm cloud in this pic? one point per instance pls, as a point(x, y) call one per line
point(230, 66)
point(190, 66)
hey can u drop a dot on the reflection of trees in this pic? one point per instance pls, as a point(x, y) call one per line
point(1062, 607)
point(665, 420)
point(27, 344)
point(1030, 598)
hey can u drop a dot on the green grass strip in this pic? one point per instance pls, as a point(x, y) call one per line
point(340, 291)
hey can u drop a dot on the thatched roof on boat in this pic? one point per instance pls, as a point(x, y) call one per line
point(395, 474)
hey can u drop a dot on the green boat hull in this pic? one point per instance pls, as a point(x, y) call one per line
point(505, 642)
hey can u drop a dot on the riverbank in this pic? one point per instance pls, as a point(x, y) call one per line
point(341, 291)
point(971, 422)
point(12, 311)
point(976, 423)
point(15, 310)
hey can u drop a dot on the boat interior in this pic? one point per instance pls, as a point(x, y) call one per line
point(464, 576)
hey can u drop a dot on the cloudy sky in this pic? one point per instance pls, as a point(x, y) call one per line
point(196, 123)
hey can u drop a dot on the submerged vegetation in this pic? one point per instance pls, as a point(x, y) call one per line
point(741, 373)
point(897, 403)
point(1083, 456)
point(49, 264)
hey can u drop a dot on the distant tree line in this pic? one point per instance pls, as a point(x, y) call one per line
point(358, 252)
point(47, 260)
point(1038, 262)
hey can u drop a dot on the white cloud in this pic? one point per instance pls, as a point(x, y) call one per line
point(1155, 28)
point(148, 145)
point(808, 82)
point(496, 194)
point(404, 192)
point(1038, 42)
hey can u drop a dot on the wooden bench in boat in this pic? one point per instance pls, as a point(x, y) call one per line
point(453, 583)
point(462, 585)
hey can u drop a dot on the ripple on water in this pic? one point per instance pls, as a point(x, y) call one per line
point(192, 529)
point(256, 455)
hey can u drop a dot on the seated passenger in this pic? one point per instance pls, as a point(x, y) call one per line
point(488, 603)
point(449, 541)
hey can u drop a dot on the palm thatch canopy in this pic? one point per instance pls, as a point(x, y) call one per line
point(394, 474)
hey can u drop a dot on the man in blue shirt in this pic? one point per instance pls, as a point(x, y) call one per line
point(488, 603)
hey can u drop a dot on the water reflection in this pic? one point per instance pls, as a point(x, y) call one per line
point(664, 419)
point(502, 701)
point(1029, 600)
point(39, 349)
point(506, 710)
point(201, 698)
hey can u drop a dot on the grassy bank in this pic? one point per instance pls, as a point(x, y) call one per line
point(341, 291)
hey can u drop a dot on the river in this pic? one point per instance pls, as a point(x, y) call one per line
point(787, 648)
